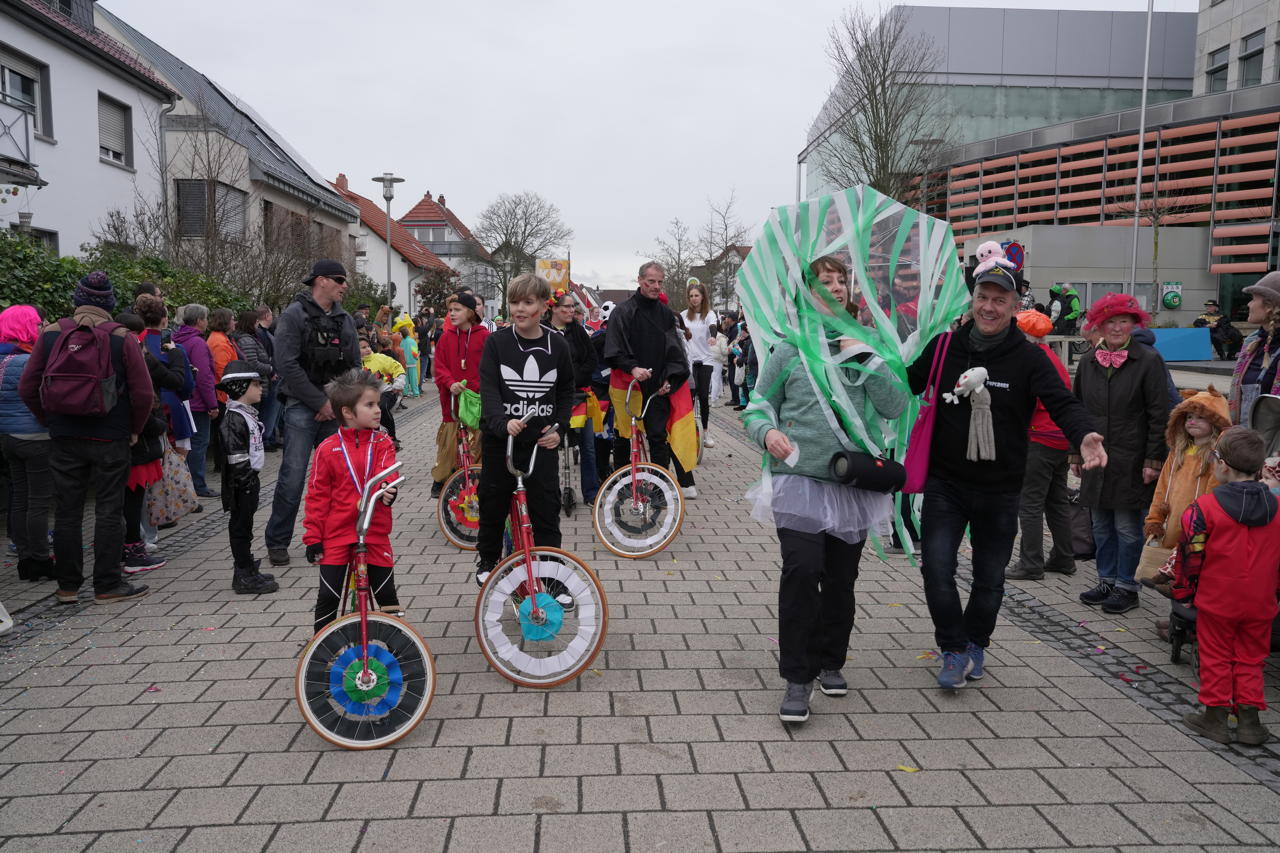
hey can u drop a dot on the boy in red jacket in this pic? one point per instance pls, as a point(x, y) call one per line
point(1229, 562)
point(457, 359)
point(341, 466)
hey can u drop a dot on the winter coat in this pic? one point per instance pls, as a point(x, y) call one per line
point(1186, 474)
point(241, 434)
point(1043, 430)
point(299, 379)
point(1131, 405)
point(223, 353)
point(1064, 309)
point(252, 352)
point(1148, 338)
point(1250, 349)
point(15, 417)
point(454, 350)
point(1018, 374)
point(583, 354)
point(720, 349)
point(332, 496)
point(643, 333)
point(1227, 557)
point(204, 398)
point(785, 401)
point(179, 421)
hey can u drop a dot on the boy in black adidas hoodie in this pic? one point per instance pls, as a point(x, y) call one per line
point(524, 368)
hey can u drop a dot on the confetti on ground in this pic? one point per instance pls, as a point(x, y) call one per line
point(772, 640)
point(1083, 622)
point(905, 769)
point(896, 604)
point(1126, 679)
point(601, 674)
point(1097, 650)
point(927, 656)
point(1141, 668)
point(673, 573)
point(152, 689)
point(1124, 630)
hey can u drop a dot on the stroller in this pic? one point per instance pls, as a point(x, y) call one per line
point(1264, 418)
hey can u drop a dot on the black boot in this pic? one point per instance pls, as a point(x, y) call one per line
point(257, 566)
point(1211, 723)
point(1249, 730)
point(25, 570)
point(246, 582)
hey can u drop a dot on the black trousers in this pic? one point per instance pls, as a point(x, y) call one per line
point(815, 603)
point(240, 525)
point(75, 463)
point(387, 403)
point(655, 430)
point(700, 386)
point(31, 490)
point(333, 585)
point(542, 488)
point(134, 502)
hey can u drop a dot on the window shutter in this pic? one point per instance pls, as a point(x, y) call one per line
point(193, 208)
point(231, 211)
point(22, 66)
point(113, 126)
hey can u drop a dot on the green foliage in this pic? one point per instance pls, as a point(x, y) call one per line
point(363, 290)
point(32, 275)
point(434, 288)
point(127, 270)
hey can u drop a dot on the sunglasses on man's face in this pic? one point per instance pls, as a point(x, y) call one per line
point(337, 279)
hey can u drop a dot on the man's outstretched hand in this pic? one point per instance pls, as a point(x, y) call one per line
point(1092, 451)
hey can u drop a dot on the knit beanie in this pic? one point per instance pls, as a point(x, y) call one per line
point(95, 289)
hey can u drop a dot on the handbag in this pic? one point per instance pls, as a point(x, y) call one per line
point(916, 462)
point(174, 495)
point(1154, 558)
point(469, 408)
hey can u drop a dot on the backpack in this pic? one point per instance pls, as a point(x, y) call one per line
point(79, 377)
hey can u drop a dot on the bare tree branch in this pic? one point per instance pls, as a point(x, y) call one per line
point(521, 228)
point(723, 230)
point(677, 250)
point(886, 119)
point(1169, 205)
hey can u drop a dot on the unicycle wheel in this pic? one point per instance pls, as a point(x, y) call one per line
point(352, 715)
point(639, 524)
point(563, 643)
point(458, 509)
point(568, 500)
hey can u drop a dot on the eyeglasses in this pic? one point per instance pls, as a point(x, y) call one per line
point(337, 279)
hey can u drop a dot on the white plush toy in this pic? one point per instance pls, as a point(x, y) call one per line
point(969, 381)
point(982, 441)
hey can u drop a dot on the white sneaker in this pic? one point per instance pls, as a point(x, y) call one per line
point(690, 492)
point(708, 441)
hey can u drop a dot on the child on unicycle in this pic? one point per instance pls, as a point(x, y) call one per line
point(342, 465)
point(526, 391)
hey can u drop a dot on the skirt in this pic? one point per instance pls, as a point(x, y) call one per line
point(818, 506)
point(141, 476)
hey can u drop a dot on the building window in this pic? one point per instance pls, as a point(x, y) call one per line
point(62, 6)
point(1216, 70)
point(48, 239)
point(115, 131)
point(21, 86)
point(204, 213)
point(1251, 59)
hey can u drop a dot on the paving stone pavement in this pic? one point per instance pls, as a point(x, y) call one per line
point(169, 723)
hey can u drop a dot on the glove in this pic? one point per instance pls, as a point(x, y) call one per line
point(314, 552)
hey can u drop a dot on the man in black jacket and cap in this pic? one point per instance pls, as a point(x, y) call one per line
point(974, 482)
point(315, 342)
point(641, 341)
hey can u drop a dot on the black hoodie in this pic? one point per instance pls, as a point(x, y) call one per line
point(1248, 502)
point(1018, 372)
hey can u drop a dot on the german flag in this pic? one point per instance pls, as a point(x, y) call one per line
point(682, 433)
point(589, 409)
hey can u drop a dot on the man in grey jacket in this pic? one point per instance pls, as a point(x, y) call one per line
point(315, 341)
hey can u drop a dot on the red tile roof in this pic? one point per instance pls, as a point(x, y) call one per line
point(375, 219)
point(430, 211)
point(98, 40)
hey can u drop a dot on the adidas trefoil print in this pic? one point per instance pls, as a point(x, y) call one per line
point(519, 376)
point(530, 384)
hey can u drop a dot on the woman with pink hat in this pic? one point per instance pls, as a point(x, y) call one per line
point(1122, 382)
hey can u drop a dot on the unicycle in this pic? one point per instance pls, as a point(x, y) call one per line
point(640, 507)
point(366, 679)
point(541, 616)
point(458, 510)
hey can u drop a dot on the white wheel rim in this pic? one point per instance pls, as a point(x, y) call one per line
point(587, 612)
point(620, 491)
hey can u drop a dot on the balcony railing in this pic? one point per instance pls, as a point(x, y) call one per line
point(16, 126)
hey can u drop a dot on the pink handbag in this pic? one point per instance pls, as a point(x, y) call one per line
point(917, 459)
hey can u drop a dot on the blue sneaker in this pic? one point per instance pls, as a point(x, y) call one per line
point(955, 666)
point(977, 657)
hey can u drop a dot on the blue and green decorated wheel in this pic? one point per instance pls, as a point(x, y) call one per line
point(351, 710)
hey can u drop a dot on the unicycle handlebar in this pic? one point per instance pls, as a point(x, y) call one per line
point(370, 494)
point(511, 446)
point(644, 410)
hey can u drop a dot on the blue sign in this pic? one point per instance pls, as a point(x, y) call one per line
point(1016, 253)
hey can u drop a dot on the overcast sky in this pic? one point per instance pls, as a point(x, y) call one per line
point(623, 115)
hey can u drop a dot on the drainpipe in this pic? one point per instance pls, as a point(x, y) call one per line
point(168, 108)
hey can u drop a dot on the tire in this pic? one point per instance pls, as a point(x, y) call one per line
point(405, 667)
point(635, 534)
point(571, 646)
point(568, 500)
point(697, 426)
point(458, 509)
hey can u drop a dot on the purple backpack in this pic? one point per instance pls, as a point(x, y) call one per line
point(79, 378)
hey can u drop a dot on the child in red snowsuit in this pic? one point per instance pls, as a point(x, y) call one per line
point(341, 466)
point(1228, 562)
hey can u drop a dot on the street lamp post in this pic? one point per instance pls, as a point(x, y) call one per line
point(1142, 138)
point(388, 181)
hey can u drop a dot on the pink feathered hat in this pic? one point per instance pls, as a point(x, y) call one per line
point(1110, 306)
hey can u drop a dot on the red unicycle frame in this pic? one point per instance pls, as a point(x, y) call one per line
point(522, 527)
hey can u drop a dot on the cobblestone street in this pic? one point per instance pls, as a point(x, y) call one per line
point(170, 723)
